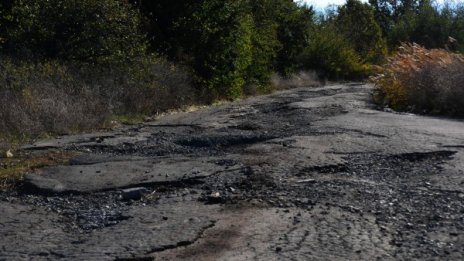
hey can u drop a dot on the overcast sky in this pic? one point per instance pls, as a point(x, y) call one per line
point(321, 4)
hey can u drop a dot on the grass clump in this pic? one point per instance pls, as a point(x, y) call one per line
point(422, 80)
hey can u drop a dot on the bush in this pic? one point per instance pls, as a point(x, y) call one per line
point(332, 56)
point(152, 85)
point(57, 98)
point(38, 98)
point(222, 48)
point(422, 80)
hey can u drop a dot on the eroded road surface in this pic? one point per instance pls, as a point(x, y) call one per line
point(303, 174)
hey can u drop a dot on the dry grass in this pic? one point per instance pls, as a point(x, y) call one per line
point(12, 169)
point(300, 79)
point(54, 98)
point(422, 80)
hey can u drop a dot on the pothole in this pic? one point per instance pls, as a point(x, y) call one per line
point(421, 156)
point(221, 140)
point(326, 169)
point(99, 218)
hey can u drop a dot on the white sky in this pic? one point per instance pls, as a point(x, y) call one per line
point(321, 4)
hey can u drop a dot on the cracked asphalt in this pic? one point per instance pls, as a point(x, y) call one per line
point(302, 174)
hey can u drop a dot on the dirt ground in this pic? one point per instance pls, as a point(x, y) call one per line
point(302, 174)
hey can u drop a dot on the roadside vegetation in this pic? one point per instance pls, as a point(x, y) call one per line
point(422, 80)
point(12, 169)
point(71, 66)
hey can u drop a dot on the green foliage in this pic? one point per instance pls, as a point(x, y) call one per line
point(160, 21)
point(293, 31)
point(344, 42)
point(355, 21)
point(229, 44)
point(265, 45)
point(86, 31)
point(332, 56)
point(424, 22)
point(222, 48)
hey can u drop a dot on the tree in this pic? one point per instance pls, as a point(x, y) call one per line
point(5, 20)
point(355, 20)
point(230, 43)
point(265, 44)
point(293, 31)
point(86, 31)
point(219, 36)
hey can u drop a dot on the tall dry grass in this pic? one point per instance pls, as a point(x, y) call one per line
point(422, 80)
point(56, 98)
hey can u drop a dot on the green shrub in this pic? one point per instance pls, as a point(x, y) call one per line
point(222, 48)
point(230, 45)
point(265, 45)
point(293, 32)
point(332, 56)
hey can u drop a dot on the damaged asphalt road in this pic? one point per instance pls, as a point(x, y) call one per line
point(308, 173)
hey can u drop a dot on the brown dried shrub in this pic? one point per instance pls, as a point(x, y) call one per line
point(56, 98)
point(422, 80)
point(38, 98)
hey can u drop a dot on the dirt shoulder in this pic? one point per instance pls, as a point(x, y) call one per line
point(308, 173)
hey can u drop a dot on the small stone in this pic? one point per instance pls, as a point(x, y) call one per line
point(8, 154)
point(214, 198)
point(133, 193)
point(278, 249)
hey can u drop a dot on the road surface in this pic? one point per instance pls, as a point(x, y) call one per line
point(302, 174)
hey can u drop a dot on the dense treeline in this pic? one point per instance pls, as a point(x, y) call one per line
point(347, 39)
point(64, 62)
point(229, 43)
point(226, 44)
point(424, 22)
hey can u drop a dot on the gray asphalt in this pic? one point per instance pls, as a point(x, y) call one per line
point(302, 174)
